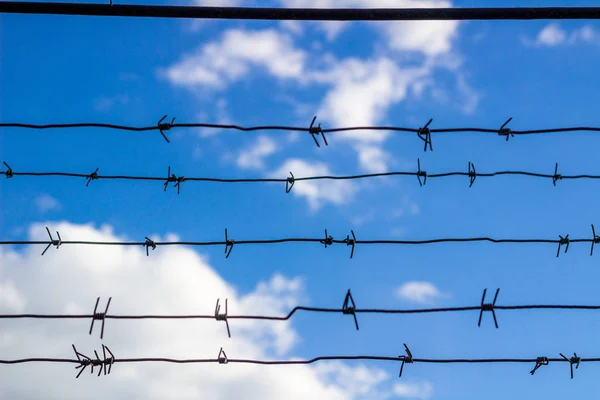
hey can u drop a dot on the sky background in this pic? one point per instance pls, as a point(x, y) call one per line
point(134, 71)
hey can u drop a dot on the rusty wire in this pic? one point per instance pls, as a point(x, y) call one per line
point(290, 181)
point(424, 132)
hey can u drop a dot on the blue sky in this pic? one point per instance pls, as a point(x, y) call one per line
point(133, 71)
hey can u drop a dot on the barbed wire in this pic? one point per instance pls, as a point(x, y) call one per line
point(105, 363)
point(327, 240)
point(423, 133)
point(421, 175)
point(348, 308)
point(306, 14)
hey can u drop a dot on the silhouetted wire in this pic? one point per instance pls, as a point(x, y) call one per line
point(172, 178)
point(313, 14)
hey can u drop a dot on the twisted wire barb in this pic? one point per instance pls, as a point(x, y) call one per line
point(424, 133)
point(420, 174)
point(300, 14)
point(106, 362)
point(328, 241)
point(348, 308)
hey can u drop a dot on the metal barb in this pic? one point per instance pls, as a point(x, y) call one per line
point(563, 241)
point(556, 175)
point(538, 363)
point(596, 239)
point(472, 174)
point(316, 130)
point(222, 357)
point(9, 171)
point(53, 242)
point(351, 242)
point(328, 240)
point(573, 360)
point(85, 361)
point(175, 179)
point(101, 316)
point(349, 307)
point(165, 127)
point(91, 177)
point(222, 317)
point(228, 245)
point(289, 183)
point(408, 358)
point(488, 307)
point(506, 131)
point(149, 243)
point(424, 134)
point(421, 173)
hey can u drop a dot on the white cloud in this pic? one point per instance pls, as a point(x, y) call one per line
point(102, 104)
point(419, 292)
point(219, 63)
point(253, 156)
point(317, 192)
point(10, 298)
point(372, 159)
point(553, 35)
point(173, 280)
point(418, 390)
point(45, 202)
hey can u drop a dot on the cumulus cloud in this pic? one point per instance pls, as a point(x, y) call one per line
point(416, 390)
point(553, 35)
point(174, 280)
point(253, 156)
point(419, 292)
point(317, 193)
point(230, 59)
point(45, 203)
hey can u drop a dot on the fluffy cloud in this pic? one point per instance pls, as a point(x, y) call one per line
point(553, 35)
point(45, 202)
point(419, 292)
point(418, 390)
point(230, 59)
point(173, 280)
point(317, 193)
point(253, 156)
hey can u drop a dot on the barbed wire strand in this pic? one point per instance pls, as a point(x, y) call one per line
point(105, 364)
point(471, 173)
point(312, 14)
point(348, 308)
point(327, 240)
point(424, 133)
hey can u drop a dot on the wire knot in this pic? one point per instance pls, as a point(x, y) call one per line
point(575, 360)
point(472, 174)
point(289, 183)
point(540, 361)
point(175, 179)
point(91, 177)
point(349, 307)
point(100, 316)
point(165, 126)
point(407, 358)
point(85, 361)
point(420, 173)
point(222, 357)
point(149, 243)
point(488, 307)
point(9, 171)
point(328, 240)
point(563, 241)
point(424, 134)
point(351, 242)
point(222, 317)
point(556, 176)
point(595, 240)
point(53, 242)
point(316, 130)
point(506, 131)
point(228, 245)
